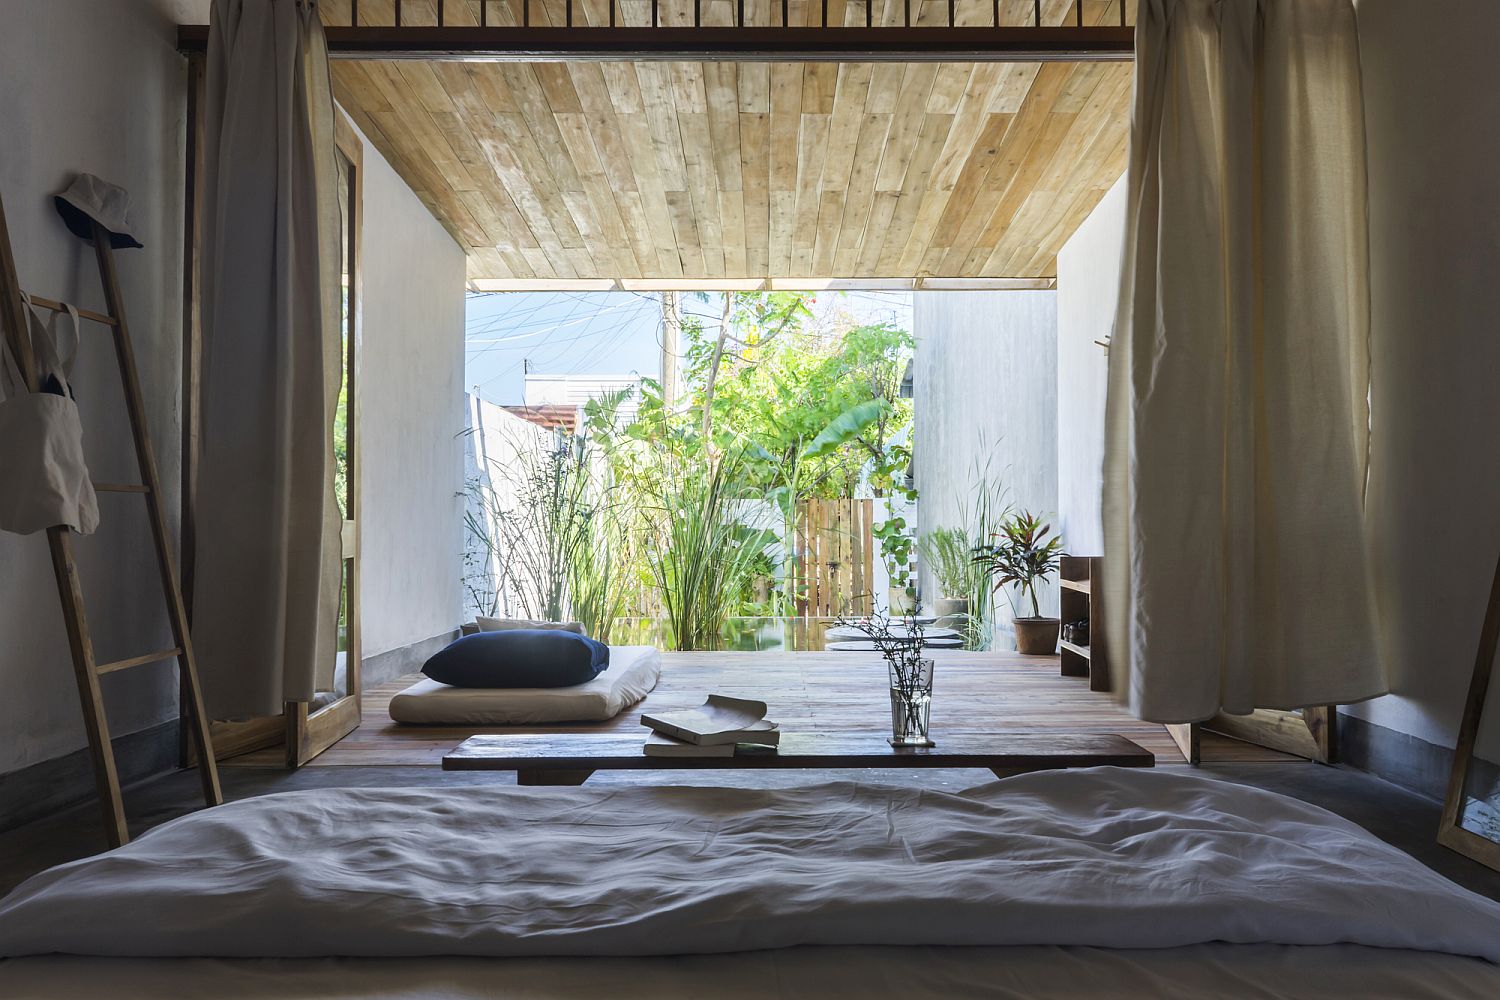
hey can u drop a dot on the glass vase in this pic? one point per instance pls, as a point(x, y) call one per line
point(911, 703)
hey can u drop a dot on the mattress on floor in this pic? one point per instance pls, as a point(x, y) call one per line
point(1113, 858)
point(633, 672)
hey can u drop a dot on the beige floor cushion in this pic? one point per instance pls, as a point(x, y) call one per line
point(633, 671)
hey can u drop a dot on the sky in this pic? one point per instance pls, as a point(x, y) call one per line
point(605, 333)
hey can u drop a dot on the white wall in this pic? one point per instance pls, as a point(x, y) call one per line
point(411, 417)
point(94, 87)
point(1432, 113)
point(498, 447)
point(1088, 288)
point(985, 390)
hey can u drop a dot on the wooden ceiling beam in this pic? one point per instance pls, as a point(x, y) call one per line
point(721, 44)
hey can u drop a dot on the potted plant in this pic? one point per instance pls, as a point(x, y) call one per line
point(896, 547)
point(1021, 555)
point(947, 551)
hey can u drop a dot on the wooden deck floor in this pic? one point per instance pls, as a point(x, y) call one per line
point(998, 692)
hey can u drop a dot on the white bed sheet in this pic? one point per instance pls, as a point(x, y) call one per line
point(1115, 858)
point(1194, 972)
point(632, 674)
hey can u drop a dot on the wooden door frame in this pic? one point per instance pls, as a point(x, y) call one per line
point(309, 733)
point(303, 732)
point(1311, 732)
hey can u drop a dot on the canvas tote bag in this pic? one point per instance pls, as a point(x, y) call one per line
point(43, 478)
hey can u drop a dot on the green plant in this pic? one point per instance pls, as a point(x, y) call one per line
point(598, 578)
point(702, 557)
point(981, 511)
point(896, 546)
point(1021, 555)
point(889, 476)
point(791, 469)
point(534, 520)
point(949, 552)
point(808, 406)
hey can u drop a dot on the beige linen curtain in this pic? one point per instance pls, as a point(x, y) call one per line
point(265, 599)
point(1237, 419)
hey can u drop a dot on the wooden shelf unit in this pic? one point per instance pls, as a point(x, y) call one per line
point(1078, 602)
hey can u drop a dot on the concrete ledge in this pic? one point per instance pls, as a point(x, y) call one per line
point(408, 659)
point(56, 784)
point(1404, 760)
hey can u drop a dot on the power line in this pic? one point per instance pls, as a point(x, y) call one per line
point(548, 341)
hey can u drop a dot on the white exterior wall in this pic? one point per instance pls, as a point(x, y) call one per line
point(985, 392)
point(495, 441)
point(411, 417)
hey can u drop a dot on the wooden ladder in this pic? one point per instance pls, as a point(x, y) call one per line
point(59, 539)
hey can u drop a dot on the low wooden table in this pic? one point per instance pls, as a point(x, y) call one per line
point(569, 758)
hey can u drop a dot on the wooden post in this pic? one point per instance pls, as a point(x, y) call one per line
point(671, 341)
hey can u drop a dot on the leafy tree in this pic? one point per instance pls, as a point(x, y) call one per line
point(807, 412)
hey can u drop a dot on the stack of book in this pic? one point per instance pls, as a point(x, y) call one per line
point(723, 727)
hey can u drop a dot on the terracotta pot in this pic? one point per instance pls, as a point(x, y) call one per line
point(1037, 636)
point(949, 607)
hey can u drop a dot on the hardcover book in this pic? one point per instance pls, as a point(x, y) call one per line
point(720, 721)
point(658, 745)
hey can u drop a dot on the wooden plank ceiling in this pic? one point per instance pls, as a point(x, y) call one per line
point(693, 171)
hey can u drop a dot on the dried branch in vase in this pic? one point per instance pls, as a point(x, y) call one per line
point(901, 641)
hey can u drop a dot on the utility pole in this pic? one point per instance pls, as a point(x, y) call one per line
point(671, 339)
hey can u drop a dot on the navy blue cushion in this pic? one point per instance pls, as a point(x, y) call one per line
point(519, 658)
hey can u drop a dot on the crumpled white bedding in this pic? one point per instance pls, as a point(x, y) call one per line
point(1115, 858)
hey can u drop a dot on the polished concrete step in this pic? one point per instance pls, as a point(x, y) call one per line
point(839, 633)
point(868, 645)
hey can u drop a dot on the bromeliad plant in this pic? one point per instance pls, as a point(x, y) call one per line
point(1021, 555)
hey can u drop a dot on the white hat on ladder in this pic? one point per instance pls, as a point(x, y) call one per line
point(88, 200)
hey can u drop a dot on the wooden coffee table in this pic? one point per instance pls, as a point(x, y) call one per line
point(569, 758)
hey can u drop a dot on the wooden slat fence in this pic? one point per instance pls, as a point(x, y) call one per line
point(835, 562)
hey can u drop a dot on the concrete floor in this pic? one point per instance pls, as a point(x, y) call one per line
point(1398, 817)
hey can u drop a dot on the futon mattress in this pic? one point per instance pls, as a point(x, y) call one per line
point(633, 672)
